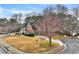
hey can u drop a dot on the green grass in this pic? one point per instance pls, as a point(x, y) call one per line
point(58, 37)
point(45, 44)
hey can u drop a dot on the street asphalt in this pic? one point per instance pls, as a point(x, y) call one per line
point(72, 46)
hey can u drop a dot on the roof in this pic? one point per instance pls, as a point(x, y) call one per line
point(29, 28)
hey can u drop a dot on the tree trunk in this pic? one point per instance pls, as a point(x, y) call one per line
point(49, 40)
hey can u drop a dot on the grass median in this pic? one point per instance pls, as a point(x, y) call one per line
point(29, 44)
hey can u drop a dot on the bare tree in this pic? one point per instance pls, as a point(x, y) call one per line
point(48, 10)
point(61, 9)
point(20, 17)
point(76, 12)
point(15, 16)
point(69, 25)
point(47, 26)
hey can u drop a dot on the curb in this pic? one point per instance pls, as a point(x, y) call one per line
point(63, 49)
point(5, 49)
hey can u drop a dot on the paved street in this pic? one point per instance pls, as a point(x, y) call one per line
point(72, 46)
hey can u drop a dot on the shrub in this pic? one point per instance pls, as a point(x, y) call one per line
point(29, 34)
point(66, 33)
point(58, 32)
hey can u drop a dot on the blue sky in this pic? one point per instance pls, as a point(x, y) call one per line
point(6, 10)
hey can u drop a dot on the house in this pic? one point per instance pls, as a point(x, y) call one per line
point(28, 29)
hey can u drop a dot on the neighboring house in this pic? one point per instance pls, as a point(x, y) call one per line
point(73, 33)
point(1, 30)
point(7, 29)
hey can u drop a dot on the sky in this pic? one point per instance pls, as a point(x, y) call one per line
point(7, 10)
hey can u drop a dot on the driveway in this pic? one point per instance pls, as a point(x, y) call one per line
point(72, 46)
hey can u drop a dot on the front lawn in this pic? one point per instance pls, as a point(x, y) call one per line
point(29, 44)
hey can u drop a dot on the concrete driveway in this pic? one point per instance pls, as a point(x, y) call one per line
point(72, 46)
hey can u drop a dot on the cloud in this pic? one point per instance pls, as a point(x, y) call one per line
point(7, 13)
point(20, 11)
point(4, 13)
